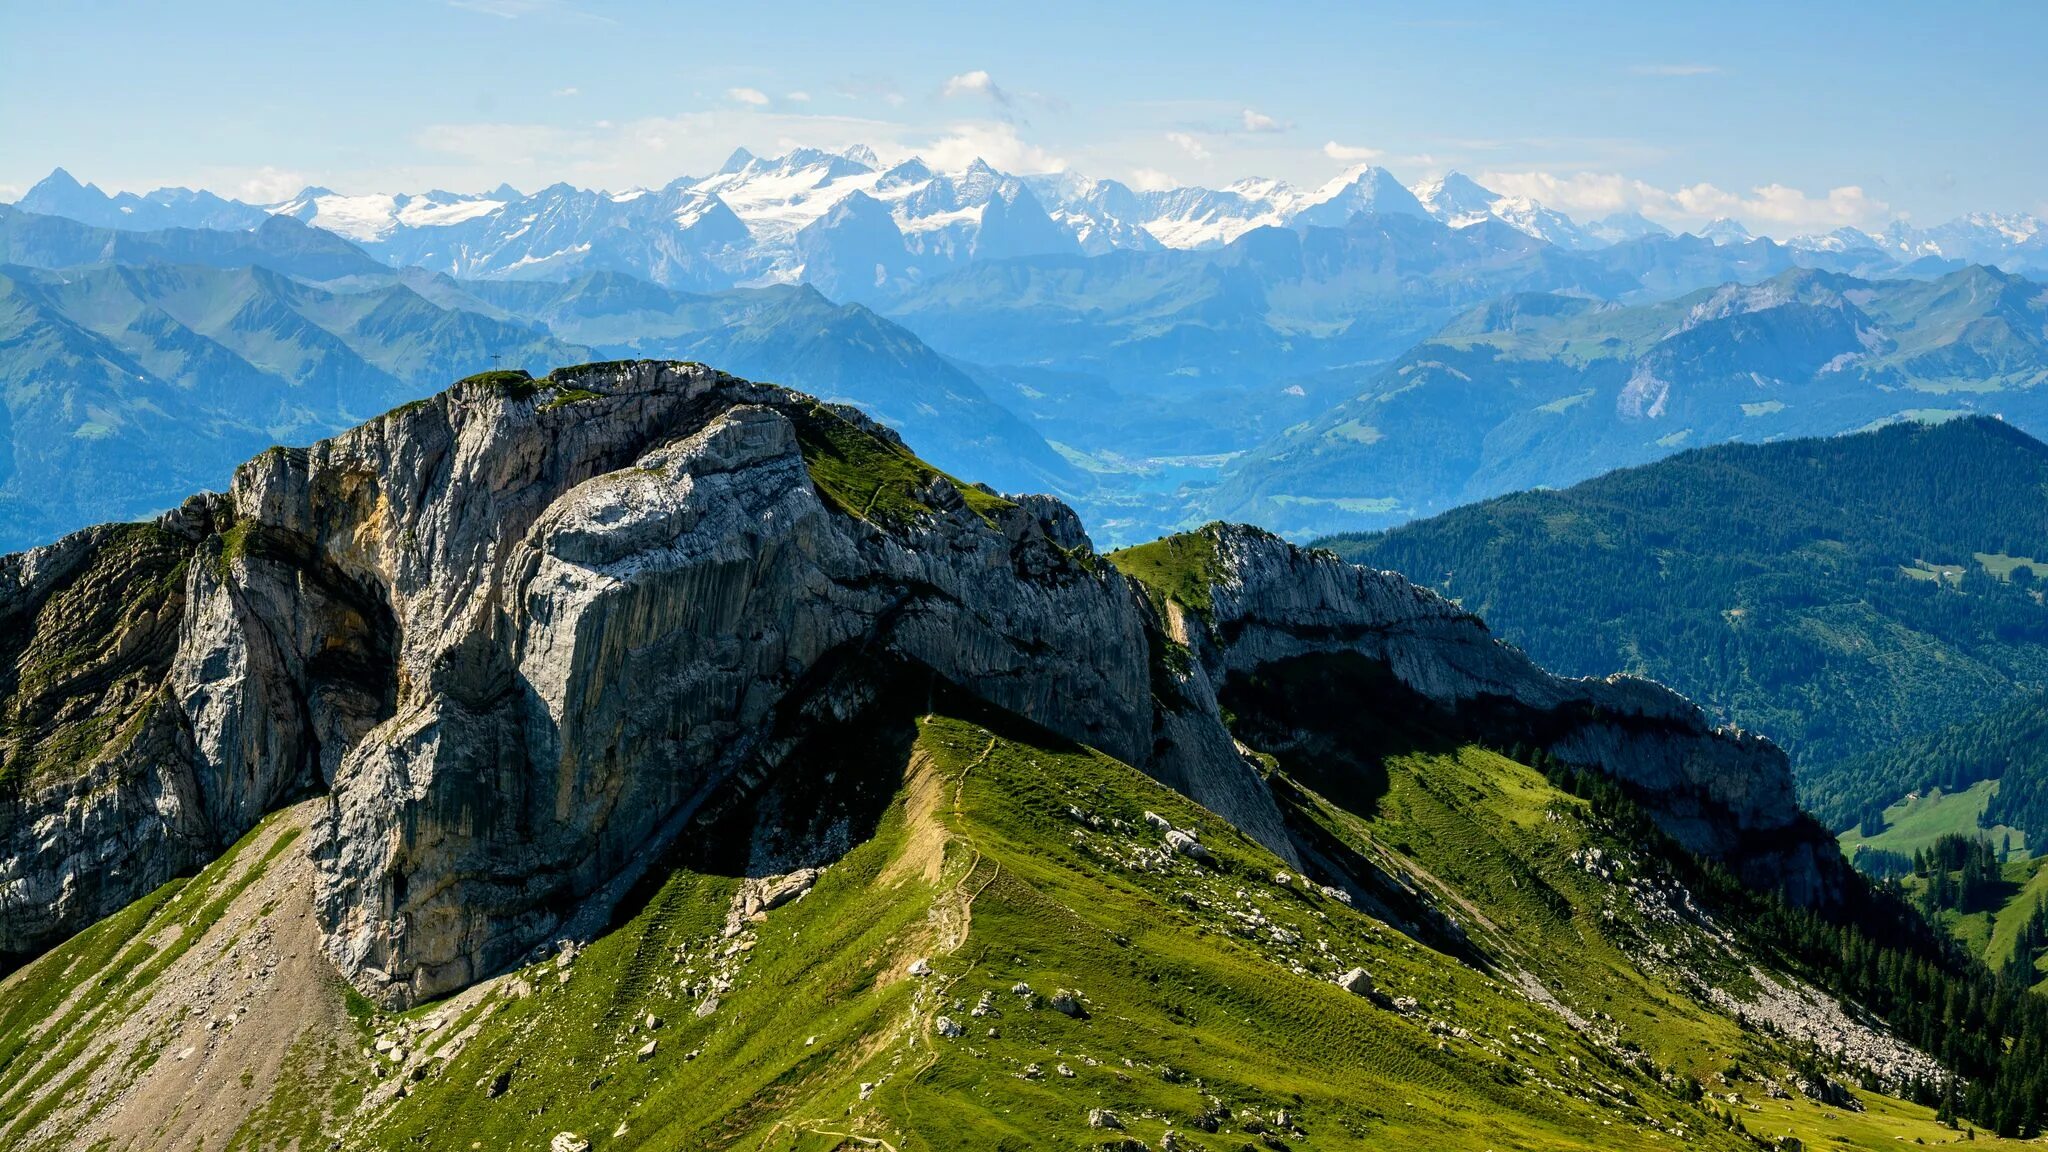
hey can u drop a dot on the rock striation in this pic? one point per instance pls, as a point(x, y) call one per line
point(517, 637)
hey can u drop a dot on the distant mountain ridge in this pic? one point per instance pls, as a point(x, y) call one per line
point(1547, 390)
point(125, 384)
point(779, 219)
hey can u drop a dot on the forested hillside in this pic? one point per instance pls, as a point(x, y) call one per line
point(1839, 595)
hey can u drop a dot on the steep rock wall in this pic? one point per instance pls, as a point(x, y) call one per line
point(517, 636)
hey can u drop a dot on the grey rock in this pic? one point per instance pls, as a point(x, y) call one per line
point(519, 644)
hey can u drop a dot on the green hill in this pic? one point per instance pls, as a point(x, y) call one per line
point(1083, 988)
point(1535, 391)
point(1839, 595)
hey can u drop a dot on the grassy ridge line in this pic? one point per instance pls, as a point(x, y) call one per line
point(1182, 568)
point(1206, 984)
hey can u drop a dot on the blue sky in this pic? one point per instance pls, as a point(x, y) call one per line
point(1791, 117)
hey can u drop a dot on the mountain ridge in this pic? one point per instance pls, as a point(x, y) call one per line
point(738, 225)
point(639, 730)
point(276, 541)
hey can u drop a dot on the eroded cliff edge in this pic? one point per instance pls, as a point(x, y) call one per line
point(520, 635)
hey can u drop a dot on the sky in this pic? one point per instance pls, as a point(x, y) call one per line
point(1789, 117)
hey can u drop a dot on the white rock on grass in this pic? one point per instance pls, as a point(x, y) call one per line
point(568, 1142)
point(949, 1027)
point(1358, 982)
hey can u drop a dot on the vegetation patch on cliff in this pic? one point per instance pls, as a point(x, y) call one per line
point(1181, 568)
point(879, 481)
point(515, 383)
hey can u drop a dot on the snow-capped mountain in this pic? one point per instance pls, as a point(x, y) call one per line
point(1620, 227)
point(369, 219)
point(1726, 231)
point(1460, 201)
point(860, 229)
point(1978, 238)
point(1364, 189)
point(1456, 199)
point(1103, 215)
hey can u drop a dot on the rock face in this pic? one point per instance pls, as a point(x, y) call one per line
point(1719, 791)
point(519, 636)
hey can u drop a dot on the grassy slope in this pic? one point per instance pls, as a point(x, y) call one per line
point(1181, 567)
point(1207, 990)
point(1918, 820)
point(1915, 822)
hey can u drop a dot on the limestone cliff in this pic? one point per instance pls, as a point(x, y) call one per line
point(518, 637)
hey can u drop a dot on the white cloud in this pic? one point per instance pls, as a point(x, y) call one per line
point(269, 185)
point(9, 193)
point(997, 143)
point(975, 83)
point(1775, 209)
point(1583, 194)
point(753, 96)
point(1188, 144)
point(797, 97)
point(1256, 121)
point(1674, 69)
point(1151, 180)
point(569, 91)
point(1349, 154)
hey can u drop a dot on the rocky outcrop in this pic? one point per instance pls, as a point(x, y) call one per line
point(96, 806)
point(1720, 791)
point(519, 636)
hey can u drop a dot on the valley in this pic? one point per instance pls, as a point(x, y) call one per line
point(601, 576)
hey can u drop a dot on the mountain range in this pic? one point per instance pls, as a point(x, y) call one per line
point(1548, 390)
point(640, 757)
point(124, 386)
point(1315, 361)
point(861, 229)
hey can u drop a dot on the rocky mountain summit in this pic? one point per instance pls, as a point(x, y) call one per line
point(520, 638)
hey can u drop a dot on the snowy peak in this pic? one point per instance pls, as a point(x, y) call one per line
point(1366, 189)
point(1456, 199)
point(1461, 202)
point(741, 224)
point(1620, 227)
point(1726, 231)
